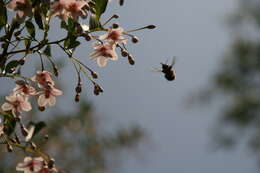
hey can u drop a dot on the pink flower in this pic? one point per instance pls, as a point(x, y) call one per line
point(16, 103)
point(43, 78)
point(48, 96)
point(114, 35)
point(69, 8)
point(24, 88)
point(30, 165)
point(102, 52)
point(1, 128)
point(23, 7)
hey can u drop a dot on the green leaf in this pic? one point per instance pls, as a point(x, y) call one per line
point(94, 22)
point(30, 28)
point(100, 7)
point(3, 15)
point(27, 44)
point(10, 124)
point(11, 65)
point(63, 24)
point(38, 19)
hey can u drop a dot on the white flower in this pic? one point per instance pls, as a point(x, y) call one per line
point(17, 103)
point(103, 52)
point(48, 96)
point(115, 35)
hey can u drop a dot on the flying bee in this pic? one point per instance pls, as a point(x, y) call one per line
point(168, 70)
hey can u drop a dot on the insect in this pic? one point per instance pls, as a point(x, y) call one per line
point(168, 70)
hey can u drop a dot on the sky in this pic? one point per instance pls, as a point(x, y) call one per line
point(179, 135)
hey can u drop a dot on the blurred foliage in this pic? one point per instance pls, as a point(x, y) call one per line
point(238, 81)
point(76, 143)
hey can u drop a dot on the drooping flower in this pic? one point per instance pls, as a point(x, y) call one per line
point(115, 35)
point(103, 52)
point(68, 8)
point(31, 165)
point(43, 78)
point(23, 88)
point(1, 128)
point(23, 7)
point(17, 103)
point(48, 96)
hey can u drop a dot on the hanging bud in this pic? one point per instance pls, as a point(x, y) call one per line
point(124, 53)
point(41, 108)
point(131, 60)
point(56, 71)
point(22, 61)
point(94, 74)
point(46, 137)
point(150, 26)
point(77, 97)
point(87, 36)
point(97, 89)
point(91, 3)
point(78, 89)
point(33, 145)
point(51, 163)
point(115, 16)
point(24, 130)
point(115, 25)
point(135, 39)
point(9, 148)
point(121, 2)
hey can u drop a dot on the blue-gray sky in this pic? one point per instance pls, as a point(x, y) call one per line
point(179, 137)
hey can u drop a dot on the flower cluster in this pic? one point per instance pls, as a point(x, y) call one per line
point(18, 100)
point(35, 165)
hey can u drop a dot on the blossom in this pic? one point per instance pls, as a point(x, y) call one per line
point(23, 88)
point(102, 52)
point(48, 96)
point(1, 128)
point(30, 165)
point(23, 7)
point(114, 35)
point(69, 8)
point(17, 103)
point(43, 78)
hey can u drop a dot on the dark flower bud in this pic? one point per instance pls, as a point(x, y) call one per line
point(131, 60)
point(115, 16)
point(41, 108)
point(135, 39)
point(151, 27)
point(124, 53)
point(97, 89)
point(91, 3)
point(77, 97)
point(87, 36)
point(51, 163)
point(121, 2)
point(46, 137)
point(115, 25)
point(33, 145)
point(56, 71)
point(78, 89)
point(24, 130)
point(9, 148)
point(94, 74)
point(22, 61)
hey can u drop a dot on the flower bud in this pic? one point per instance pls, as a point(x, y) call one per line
point(9, 148)
point(94, 74)
point(135, 39)
point(51, 163)
point(151, 27)
point(115, 25)
point(91, 3)
point(77, 97)
point(78, 89)
point(87, 37)
point(24, 130)
point(46, 137)
point(22, 61)
point(121, 2)
point(41, 108)
point(124, 53)
point(131, 60)
point(115, 16)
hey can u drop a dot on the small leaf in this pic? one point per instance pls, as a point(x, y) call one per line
point(37, 127)
point(100, 7)
point(3, 15)
point(27, 43)
point(30, 28)
point(63, 24)
point(11, 65)
point(94, 22)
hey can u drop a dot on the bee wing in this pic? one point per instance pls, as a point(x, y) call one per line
point(156, 70)
point(173, 61)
